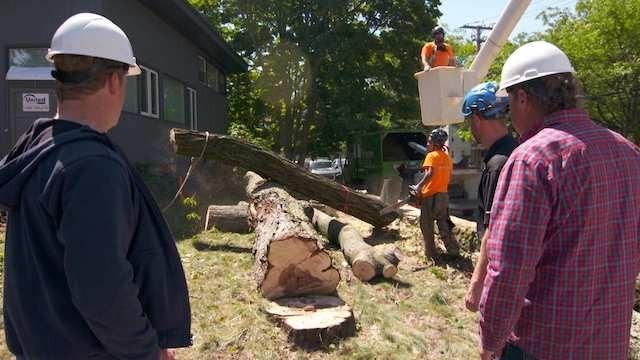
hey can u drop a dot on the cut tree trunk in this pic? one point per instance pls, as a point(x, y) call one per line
point(228, 218)
point(366, 261)
point(289, 259)
point(271, 166)
point(313, 321)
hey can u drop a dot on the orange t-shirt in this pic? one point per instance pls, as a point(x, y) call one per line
point(442, 57)
point(442, 166)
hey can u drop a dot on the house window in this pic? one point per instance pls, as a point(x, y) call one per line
point(212, 77)
point(132, 99)
point(28, 57)
point(174, 100)
point(192, 108)
point(149, 93)
point(28, 64)
point(209, 75)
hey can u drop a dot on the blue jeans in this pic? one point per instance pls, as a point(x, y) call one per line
point(512, 352)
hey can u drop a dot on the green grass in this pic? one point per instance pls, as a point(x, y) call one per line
point(419, 315)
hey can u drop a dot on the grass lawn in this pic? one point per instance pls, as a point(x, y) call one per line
point(419, 315)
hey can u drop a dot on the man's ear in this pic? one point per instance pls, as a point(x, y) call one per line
point(522, 97)
point(114, 82)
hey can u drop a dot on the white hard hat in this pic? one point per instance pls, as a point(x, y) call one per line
point(531, 61)
point(93, 35)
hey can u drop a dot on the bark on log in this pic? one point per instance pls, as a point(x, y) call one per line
point(366, 261)
point(289, 259)
point(228, 218)
point(313, 321)
point(271, 166)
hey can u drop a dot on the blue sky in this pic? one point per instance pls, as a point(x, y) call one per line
point(456, 13)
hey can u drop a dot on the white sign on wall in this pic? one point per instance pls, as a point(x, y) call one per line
point(32, 102)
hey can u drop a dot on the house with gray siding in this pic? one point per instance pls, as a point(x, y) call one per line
point(185, 65)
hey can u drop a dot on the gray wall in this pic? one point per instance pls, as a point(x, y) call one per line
point(159, 47)
point(30, 23)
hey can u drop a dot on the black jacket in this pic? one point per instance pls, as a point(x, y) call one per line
point(494, 159)
point(91, 269)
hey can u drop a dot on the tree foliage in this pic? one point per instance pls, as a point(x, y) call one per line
point(321, 70)
point(602, 39)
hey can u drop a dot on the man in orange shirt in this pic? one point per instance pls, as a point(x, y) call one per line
point(434, 199)
point(437, 53)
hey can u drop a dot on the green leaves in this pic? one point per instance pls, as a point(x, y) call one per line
point(603, 42)
point(322, 69)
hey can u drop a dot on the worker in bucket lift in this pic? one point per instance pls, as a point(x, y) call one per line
point(437, 53)
point(563, 243)
point(433, 197)
point(484, 113)
point(91, 268)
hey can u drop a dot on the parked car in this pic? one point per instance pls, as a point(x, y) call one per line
point(324, 167)
point(339, 163)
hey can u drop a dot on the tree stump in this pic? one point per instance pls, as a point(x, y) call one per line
point(289, 259)
point(313, 321)
point(228, 218)
point(366, 261)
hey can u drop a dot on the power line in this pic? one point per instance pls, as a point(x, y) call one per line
point(534, 8)
point(478, 29)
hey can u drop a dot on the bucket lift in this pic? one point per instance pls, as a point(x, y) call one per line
point(442, 88)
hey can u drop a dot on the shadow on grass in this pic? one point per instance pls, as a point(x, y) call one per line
point(462, 264)
point(203, 246)
point(394, 282)
point(381, 236)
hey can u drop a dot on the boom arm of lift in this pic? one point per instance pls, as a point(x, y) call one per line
point(442, 88)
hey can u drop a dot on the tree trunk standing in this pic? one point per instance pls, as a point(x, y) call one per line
point(289, 260)
point(269, 165)
point(366, 261)
point(228, 218)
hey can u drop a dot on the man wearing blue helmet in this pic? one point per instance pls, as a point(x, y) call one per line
point(485, 112)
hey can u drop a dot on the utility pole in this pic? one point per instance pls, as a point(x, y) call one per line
point(478, 29)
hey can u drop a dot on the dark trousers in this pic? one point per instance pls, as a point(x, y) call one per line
point(435, 208)
point(512, 352)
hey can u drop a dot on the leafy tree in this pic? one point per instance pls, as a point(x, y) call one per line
point(321, 70)
point(602, 39)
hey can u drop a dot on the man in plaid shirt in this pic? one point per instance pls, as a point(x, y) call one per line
point(564, 237)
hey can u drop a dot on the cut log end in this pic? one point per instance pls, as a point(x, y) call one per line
point(363, 270)
point(389, 271)
point(313, 321)
point(297, 267)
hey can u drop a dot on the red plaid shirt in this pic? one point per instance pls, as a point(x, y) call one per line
point(564, 243)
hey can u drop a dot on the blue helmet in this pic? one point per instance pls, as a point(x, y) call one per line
point(482, 99)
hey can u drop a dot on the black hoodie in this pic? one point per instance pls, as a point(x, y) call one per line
point(91, 269)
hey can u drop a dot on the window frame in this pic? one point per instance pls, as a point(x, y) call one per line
point(192, 104)
point(148, 96)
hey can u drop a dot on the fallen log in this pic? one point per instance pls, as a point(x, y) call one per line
point(313, 321)
point(289, 259)
point(267, 164)
point(228, 218)
point(366, 261)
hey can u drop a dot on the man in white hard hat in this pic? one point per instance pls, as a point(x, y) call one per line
point(91, 268)
point(564, 237)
